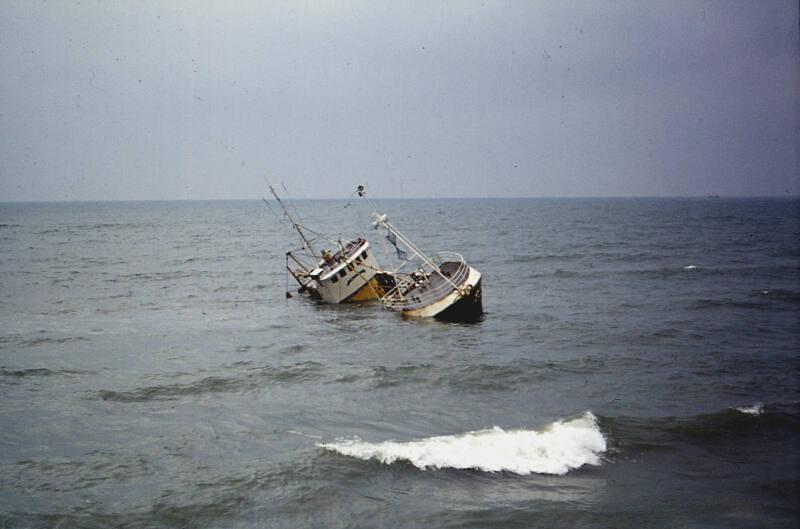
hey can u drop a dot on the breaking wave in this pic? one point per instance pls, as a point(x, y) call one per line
point(755, 409)
point(556, 449)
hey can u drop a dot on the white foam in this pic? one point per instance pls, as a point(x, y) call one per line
point(755, 409)
point(556, 449)
point(690, 267)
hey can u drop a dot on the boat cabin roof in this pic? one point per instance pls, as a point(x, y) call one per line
point(353, 250)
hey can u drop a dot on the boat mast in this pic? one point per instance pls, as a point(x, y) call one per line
point(383, 220)
point(294, 222)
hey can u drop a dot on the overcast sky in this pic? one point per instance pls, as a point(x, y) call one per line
point(199, 99)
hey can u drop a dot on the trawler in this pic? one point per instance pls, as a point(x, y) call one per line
point(442, 286)
point(347, 274)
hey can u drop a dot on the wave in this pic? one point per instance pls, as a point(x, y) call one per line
point(183, 261)
point(172, 510)
point(522, 372)
point(489, 377)
point(386, 377)
point(39, 372)
point(171, 391)
point(20, 373)
point(755, 409)
point(560, 273)
point(256, 378)
point(475, 377)
point(48, 341)
point(292, 349)
point(530, 258)
point(701, 304)
point(699, 272)
point(64, 475)
point(778, 294)
point(759, 299)
point(162, 276)
point(101, 225)
point(732, 425)
point(556, 449)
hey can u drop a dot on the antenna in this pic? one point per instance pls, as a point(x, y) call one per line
point(383, 220)
point(294, 222)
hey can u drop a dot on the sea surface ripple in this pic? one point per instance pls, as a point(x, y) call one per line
point(636, 367)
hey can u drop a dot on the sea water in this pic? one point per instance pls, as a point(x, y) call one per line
point(637, 366)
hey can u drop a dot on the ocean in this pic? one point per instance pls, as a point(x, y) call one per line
point(637, 366)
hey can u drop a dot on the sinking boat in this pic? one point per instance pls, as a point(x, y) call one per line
point(443, 286)
point(347, 274)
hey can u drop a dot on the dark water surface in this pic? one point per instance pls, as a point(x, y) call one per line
point(638, 357)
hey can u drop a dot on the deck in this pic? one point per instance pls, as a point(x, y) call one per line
point(434, 288)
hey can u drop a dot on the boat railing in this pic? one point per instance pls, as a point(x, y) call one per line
point(449, 257)
point(411, 290)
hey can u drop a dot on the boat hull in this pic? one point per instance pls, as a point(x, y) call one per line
point(456, 306)
point(467, 309)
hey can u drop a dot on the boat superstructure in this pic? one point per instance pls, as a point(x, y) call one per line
point(443, 286)
point(348, 273)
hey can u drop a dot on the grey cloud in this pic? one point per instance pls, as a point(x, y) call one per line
point(126, 100)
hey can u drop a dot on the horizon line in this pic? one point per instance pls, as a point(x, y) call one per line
point(539, 197)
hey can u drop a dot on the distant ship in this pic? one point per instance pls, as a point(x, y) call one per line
point(443, 287)
point(347, 274)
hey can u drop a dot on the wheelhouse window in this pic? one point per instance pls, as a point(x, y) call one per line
point(364, 255)
point(342, 272)
point(334, 279)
